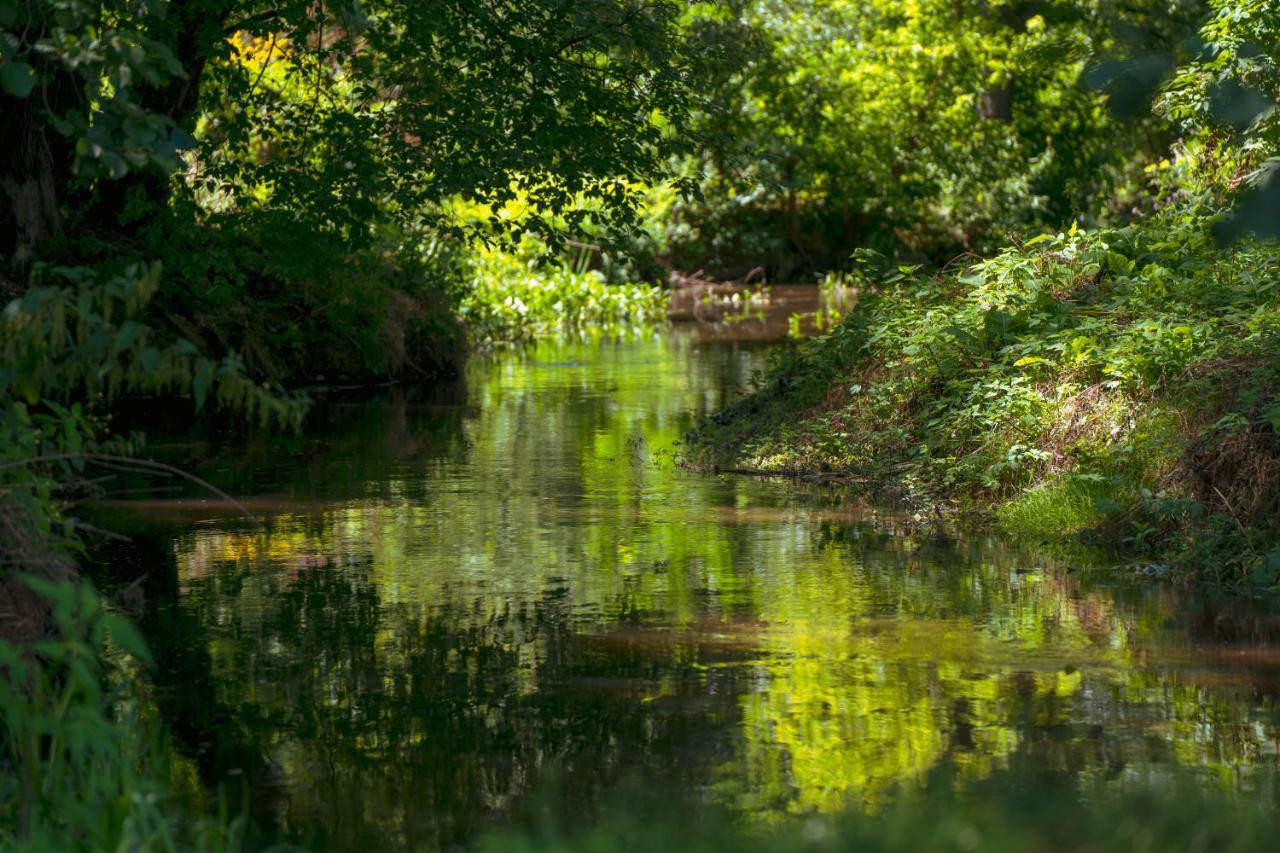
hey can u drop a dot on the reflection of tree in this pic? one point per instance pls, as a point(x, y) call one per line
point(221, 738)
point(477, 595)
point(990, 667)
point(400, 723)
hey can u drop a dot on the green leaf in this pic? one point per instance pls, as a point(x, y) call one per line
point(17, 79)
point(126, 635)
point(201, 382)
point(128, 333)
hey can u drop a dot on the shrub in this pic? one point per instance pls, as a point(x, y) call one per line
point(1137, 365)
point(83, 765)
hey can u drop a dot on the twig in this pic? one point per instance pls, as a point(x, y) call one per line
point(1230, 509)
point(93, 528)
point(113, 462)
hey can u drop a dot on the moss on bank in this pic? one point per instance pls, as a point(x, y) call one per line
point(1122, 385)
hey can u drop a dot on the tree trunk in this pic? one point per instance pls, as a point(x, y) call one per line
point(29, 177)
point(996, 103)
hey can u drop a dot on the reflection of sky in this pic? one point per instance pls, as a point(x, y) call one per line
point(534, 578)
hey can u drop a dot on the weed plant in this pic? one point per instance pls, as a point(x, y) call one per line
point(83, 762)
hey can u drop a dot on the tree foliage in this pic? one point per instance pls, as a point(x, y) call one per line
point(346, 113)
point(929, 127)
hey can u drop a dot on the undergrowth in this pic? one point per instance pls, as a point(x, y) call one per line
point(84, 764)
point(1123, 382)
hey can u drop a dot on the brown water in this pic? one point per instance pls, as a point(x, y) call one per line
point(455, 594)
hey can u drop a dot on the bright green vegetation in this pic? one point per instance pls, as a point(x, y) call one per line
point(1123, 379)
point(516, 297)
point(926, 129)
point(1120, 380)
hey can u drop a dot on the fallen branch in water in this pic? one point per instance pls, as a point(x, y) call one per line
point(126, 463)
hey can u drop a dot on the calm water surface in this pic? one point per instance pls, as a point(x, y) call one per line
point(455, 594)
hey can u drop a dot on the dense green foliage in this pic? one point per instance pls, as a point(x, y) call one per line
point(924, 129)
point(294, 166)
point(1136, 366)
point(83, 762)
point(1122, 380)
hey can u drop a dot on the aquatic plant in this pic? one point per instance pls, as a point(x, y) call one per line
point(518, 296)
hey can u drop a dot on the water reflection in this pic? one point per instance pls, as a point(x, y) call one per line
point(451, 596)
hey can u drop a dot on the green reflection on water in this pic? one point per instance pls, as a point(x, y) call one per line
point(454, 595)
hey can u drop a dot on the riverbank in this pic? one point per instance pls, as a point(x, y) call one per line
point(1119, 386)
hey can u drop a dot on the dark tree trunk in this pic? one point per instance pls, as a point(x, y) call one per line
point(35, 163)
point(996, 103)
point(31, 198)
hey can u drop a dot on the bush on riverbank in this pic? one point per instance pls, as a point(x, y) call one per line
point(84, 763)
point(1123, 382)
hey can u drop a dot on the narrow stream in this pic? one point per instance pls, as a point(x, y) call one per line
point(457, 593)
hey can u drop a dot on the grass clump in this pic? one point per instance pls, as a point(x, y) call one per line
point(1124, 380)
point(1065, 505)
